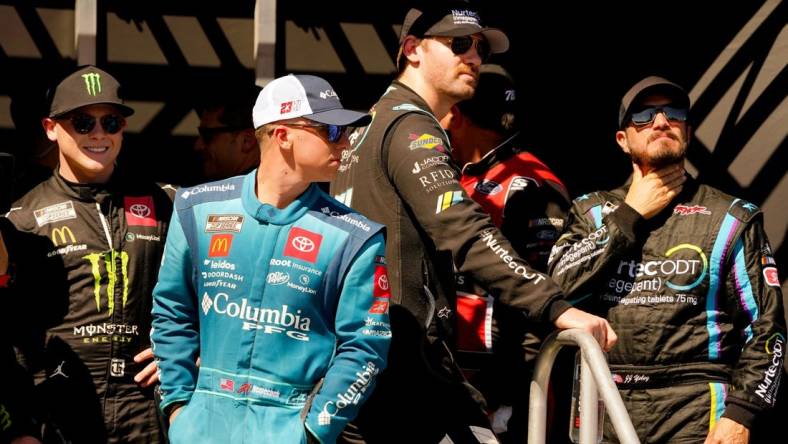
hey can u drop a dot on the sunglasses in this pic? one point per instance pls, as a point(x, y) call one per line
point(461, 45)
point(84, 123)
point(646, 116)
point(334, 132)
point(207, 133)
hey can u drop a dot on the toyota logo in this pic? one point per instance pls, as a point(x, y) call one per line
point(303, 244)
point(140, 210)
point(383, 282)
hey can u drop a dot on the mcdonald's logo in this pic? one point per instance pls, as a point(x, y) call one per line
point(220, 245)
point(59, 236)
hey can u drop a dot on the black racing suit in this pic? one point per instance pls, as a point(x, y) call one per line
point(694, 297)
point(87, 258)
point(399, 171)
point(495, 349)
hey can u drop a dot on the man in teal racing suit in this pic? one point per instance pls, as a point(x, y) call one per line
point(280, 290)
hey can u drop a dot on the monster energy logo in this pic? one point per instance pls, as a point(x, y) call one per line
point(110, 261)
point(92, 83)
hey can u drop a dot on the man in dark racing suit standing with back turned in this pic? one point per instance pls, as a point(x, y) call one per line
point(399, 172)
point(87, 244)
point(687, 278)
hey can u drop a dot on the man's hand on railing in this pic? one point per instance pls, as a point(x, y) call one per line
point(596, 326)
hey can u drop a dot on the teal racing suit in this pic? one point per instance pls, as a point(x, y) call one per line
point(287, 310)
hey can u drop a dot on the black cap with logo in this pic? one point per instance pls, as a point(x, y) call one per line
point(650, 85)
point(494, 104)
point(87, 86)
point(450, 19)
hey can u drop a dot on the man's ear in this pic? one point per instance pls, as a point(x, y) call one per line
point(409, 48)
point(622, 141)
point(50, 128)
point(282, 136)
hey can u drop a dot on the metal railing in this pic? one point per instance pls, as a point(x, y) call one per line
point(595, 379)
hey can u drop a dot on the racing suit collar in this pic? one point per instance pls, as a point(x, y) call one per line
point(86, 192)
point(268, 213)
point(503, 151)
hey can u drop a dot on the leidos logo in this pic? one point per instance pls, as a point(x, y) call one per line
point(59, 236)
point(220, 245)
point(110, 277)
point(303, 244)
point(92, 83)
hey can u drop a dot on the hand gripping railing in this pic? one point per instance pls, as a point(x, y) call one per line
point(594, 373)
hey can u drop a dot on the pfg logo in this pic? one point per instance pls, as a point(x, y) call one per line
point(278, 278)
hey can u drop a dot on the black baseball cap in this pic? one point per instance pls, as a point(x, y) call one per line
point(650, 85)
point(494, 104)
point(450, 19)
point(87, 86)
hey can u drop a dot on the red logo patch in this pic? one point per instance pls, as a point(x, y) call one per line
point(244, 388)
point(140, 211)
point(770, 275)
point(381, 289)
point(303, 244)
point(286, 107)
point(685, 210)
point(379, 307)
point(227, 384)
point(220, 245)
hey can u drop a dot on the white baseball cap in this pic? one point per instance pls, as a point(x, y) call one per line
point(307, 96)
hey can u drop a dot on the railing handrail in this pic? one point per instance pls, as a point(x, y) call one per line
point(594, 363)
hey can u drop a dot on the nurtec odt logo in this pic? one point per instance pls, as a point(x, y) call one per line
point(110, 259)
point(92, 83)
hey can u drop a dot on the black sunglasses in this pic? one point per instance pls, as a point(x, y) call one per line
point(461, 45)
point(646, 116)
point(84, 123)
point(207, 133)
point(334, 132)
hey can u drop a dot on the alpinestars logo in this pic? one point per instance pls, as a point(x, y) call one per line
point(110, 276)
point(92, 83)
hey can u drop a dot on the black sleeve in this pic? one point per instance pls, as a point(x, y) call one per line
point(420, 167)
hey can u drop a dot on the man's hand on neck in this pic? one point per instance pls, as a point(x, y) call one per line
point(652, 190)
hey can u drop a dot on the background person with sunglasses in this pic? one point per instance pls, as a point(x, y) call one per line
point(685, 275)
point(226, 145)
point(399, 171)
point(86, 245)
point(280, 289)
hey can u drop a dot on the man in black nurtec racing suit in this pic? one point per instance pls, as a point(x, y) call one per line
point(399, 172)
point(686, 277)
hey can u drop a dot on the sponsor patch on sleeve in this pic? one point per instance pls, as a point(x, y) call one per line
point(770, 276)
point(448, 199)
point(381, 288)
point(425, 141)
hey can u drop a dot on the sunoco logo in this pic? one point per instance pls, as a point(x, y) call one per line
point(351, 396)
point(771, 377)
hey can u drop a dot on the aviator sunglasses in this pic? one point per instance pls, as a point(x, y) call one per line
point(334, 132)
point(84, 123)
point(461, 45)
point(647, 115)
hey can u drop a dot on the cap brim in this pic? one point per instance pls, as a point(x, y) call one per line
point(341, 117)
point(495, 37)
point(124, 110)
